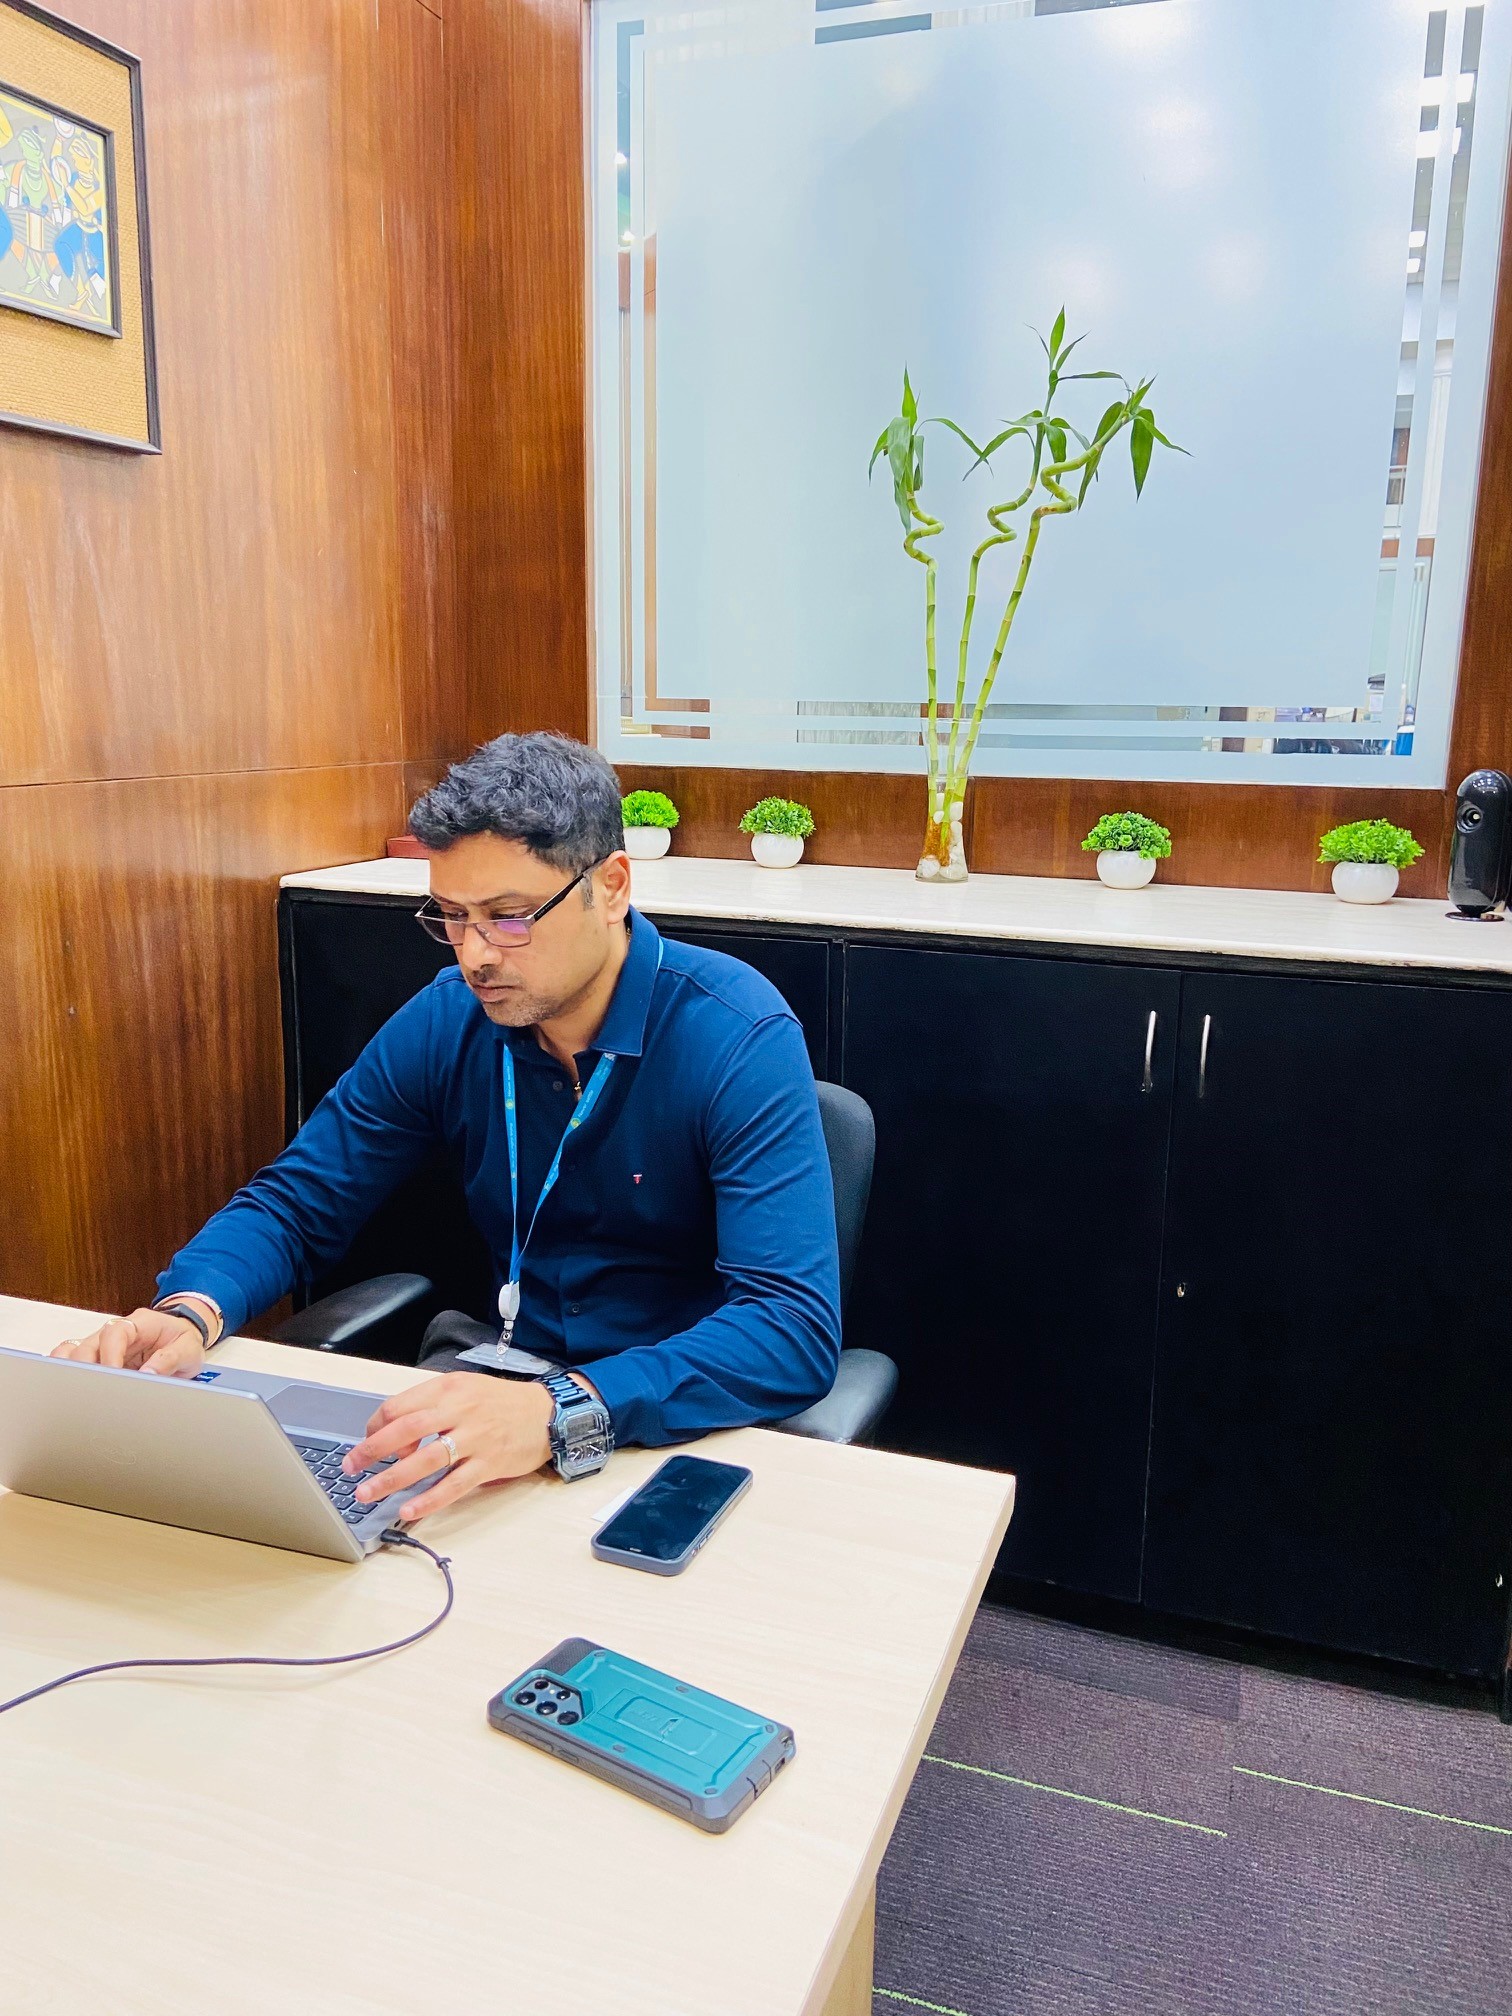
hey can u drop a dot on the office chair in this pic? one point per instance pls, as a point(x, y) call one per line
point(866, 1381)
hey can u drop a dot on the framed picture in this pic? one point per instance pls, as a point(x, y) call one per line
point(77, 350)
point(58, 250)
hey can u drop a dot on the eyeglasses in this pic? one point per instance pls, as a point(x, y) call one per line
point(497, 931)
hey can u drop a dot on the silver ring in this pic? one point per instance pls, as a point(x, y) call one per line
point(452, 1447)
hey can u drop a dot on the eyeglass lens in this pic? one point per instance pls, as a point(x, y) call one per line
point(492, 930)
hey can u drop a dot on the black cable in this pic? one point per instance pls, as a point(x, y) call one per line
point(394, 1536)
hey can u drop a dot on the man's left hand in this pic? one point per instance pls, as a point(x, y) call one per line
point(499, 1428)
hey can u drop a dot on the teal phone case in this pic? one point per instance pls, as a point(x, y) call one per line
point(692, 1753)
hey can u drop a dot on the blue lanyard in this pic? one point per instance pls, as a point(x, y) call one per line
point(509, 1294)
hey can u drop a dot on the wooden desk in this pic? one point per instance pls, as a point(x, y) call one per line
point(360, 1841)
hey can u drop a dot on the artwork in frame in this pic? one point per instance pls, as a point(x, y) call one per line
point(77, 346)
point(57, 215)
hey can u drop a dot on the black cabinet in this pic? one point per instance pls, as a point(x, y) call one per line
point(1012, 1250)
point(1332, 1437)
point(1215, 1257)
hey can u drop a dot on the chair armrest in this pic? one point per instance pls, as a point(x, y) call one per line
point(853, 1408)
point(338, 1322)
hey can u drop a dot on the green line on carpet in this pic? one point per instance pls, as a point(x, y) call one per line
point(1082, 1798)
point(1364, 1799)
point(939, 2008)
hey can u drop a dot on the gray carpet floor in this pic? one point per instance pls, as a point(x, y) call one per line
point(1103, 1827)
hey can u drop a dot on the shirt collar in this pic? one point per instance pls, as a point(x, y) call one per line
point(623, 1031)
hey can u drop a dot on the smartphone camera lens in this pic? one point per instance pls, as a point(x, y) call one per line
point(523, 1700)
point(545, 1707)
point(567, 1716)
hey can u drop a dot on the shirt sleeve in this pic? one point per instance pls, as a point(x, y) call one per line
point(302, 1212)
point(774, 1347)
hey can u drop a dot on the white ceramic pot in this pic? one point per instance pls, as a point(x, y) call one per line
point(1364, 881)
point(1123, 870)
point(647, 843)
point(776, 850)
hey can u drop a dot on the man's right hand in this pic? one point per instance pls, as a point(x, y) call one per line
point(148, 1340)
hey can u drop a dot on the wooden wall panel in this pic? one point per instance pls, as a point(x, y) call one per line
point(234, 603)
point(422, 373)
point(516, 79)
point(215, 664)
point(141, 1079)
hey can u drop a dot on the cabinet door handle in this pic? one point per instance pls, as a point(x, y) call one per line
point(1207, 1030)
point(1147, 1082)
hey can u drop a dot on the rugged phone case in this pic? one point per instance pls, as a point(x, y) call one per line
point(694, 1754)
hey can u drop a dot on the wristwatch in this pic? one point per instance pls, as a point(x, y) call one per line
point(582, 1435)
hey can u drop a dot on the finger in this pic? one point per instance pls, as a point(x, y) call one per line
point(76, 1347)
point(466, 1476)
point(414, 1469)
point(399, 1438)
point(118, 1342)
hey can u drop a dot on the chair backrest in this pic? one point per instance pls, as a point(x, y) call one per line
point(850, 1135)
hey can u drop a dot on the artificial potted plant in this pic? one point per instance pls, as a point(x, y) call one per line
point(778, 829)
point(649, 817)
point(1127, 846)
point(1367, 856)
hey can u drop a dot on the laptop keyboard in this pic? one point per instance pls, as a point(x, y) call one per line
point(324, 1460)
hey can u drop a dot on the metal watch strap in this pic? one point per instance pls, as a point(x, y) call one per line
point(174, 1308)
point(570, 1397)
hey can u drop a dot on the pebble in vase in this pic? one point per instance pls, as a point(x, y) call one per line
point(1365, 881)
point(647, 843)
point(1124, 871)
point(776, 850)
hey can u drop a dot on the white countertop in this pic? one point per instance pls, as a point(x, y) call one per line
point(1254, 923)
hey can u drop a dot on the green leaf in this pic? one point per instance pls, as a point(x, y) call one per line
point(1161, 438)
point(910, 404)
point(1112, 414)
point(1141, 447)
point(880, 449)
point(1075, 377)
point(1067, 351)
point(900, 436)
point(1057, 334)
point(1008, 433)
point(1057, 435)
point(939, 420)
point(1088, 474)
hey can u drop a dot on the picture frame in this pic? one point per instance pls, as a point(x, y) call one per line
point(78, 348)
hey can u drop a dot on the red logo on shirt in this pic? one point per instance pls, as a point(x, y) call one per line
point(635, 1179)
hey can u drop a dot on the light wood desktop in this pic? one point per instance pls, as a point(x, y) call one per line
point(359, 1840)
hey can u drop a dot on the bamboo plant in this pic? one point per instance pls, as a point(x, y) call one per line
point(1063, 465)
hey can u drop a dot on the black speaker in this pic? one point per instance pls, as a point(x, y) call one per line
point(1480, 860)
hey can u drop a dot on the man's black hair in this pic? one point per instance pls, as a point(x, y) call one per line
point(557, 796)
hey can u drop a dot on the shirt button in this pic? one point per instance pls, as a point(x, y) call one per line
point(574, 1308)
point(557, 1085)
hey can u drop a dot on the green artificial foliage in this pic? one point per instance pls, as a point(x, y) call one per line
point(779, 815)
point(1370, 840)
point(1129, 833)
point(648, 808)
point(1063, 463)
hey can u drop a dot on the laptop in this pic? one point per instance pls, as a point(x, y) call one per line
point(252, 1455)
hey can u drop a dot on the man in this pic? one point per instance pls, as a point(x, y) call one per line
point(641, 1148)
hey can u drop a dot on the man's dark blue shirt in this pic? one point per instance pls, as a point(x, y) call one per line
point(685, 1260)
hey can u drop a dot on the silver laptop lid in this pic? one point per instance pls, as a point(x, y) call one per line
point(209, 1456)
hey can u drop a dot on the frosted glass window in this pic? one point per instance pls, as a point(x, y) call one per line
point(1289, 210)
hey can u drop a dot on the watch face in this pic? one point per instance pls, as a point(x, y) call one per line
point(581, 1437)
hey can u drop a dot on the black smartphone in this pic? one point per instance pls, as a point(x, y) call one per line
point(669, 1518)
